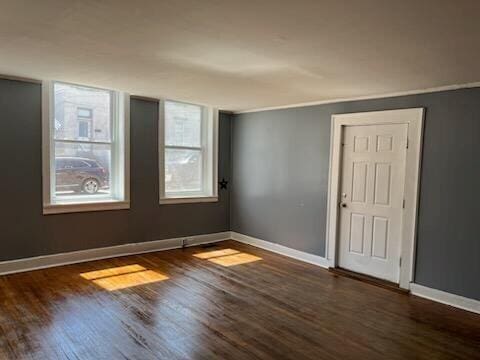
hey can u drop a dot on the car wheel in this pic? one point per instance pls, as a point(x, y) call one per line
point(91, 186)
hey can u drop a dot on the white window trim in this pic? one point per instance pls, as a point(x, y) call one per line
point(414, 118)
point(120, 158)
point(210, 134)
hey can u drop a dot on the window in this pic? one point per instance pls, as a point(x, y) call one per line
point(188, 153)
point(85, 113)
point(85, 148)
point(84, 129)
point(85, 119)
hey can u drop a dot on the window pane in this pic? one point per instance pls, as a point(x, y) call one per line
point(82, 113)
point(83, 129)
point(183, 124)
point(85, 113)
point(82, 169)
point(183, 170)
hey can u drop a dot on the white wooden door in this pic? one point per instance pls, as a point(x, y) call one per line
point(372, 196)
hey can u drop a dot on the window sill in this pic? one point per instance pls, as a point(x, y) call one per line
point(188, 200)
point(85, 207)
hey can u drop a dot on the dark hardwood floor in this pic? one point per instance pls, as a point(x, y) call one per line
point(237, 303)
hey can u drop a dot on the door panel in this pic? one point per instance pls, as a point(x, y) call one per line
point(372, 189)
point(357, 233)
point(380, 237)
point(359, 182)
point(382, 184)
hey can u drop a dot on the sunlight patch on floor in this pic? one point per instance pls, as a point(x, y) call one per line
point(216, 253)
point(123, 277)
point(92, 275)
point(227, 257)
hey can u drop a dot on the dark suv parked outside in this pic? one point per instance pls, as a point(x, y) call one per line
point(80, 175)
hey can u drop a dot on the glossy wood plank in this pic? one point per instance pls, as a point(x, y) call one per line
point(231, 301)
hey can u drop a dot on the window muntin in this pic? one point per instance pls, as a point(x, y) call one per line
point(188, 154)
point(87, 146)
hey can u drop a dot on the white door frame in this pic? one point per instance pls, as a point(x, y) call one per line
point(414, 119)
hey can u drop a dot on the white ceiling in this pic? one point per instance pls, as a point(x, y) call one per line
point(243, 54)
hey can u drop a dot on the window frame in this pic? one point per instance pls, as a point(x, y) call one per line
point(209, 148)
point(120, 156)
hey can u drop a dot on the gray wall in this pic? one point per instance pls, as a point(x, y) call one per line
point(280, 171)
point(280, 162)
point(25, 232)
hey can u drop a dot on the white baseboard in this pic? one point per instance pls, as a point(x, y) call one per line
point(282, 250)
point(445, 298)
point(47, 261)
point(416, 289)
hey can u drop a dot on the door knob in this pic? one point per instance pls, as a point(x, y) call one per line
point(344, 205)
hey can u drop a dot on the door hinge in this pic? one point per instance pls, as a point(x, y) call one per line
point(400, 262)
point(407, 143)
point(403, 204)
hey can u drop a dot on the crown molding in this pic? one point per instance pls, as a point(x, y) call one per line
point(367, 97)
